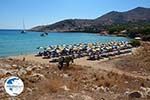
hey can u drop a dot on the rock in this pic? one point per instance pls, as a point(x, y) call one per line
point(148, 94)
point(135, 94)
point(114, 88)
point(79, 96)
point(126, 82)
point(14, 66)
point(22, 71)
point(104, 89)
point(102, 99)
point(29, 68)
point(1, 86)
point(10, 59)
point(55, 72)
point(126, 93)
point(142, 88)
point(29, 90)
point(146, 91)
point(92, 89)
point(5, 72)
point(71, 96)
point(39, 75)
point(65, 88)
point(86, 97)
point(65, 75)
point(7, 66)
point(36, 77)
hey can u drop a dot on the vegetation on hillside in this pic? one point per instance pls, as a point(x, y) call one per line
point(135, 43)
point(133, 29)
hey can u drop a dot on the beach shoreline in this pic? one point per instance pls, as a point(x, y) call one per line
point(77, 61)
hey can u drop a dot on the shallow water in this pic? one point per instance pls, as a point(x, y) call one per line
point(13, 43)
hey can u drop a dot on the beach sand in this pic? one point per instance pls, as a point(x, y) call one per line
point(79, 61)
point(31, 58)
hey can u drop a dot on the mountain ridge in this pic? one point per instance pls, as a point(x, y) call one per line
point(96, 25)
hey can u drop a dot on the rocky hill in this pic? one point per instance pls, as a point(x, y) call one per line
point(138, 14)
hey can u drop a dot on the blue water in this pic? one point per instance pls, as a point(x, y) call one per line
point(12, 42)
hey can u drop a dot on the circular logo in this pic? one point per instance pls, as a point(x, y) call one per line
point(14, 86)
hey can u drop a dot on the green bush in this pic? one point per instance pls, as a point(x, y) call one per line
point(146, 38)
point(135, 43)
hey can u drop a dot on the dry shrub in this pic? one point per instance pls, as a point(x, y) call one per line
point(121, 81)
point(139, 60)
point(107, 84)
point(102, 77)
point(2, 76)
point(5, 75)
point(52, 85)
point(73, 67)
point(29, 73)
point(74, 86)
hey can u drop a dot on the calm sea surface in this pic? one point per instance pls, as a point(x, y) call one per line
point(13, 43)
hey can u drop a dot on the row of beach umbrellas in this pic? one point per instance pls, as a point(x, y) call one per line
point(88, 46)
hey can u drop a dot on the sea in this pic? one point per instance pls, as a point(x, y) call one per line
point(13, 43)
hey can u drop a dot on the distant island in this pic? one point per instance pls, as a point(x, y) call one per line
point(135, 22)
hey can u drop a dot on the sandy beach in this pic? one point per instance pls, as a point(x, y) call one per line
point(31, 58)
point(79, 61)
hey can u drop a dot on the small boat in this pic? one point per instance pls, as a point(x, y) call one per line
point(23, 31)
point(42, 35)
point(46, 33)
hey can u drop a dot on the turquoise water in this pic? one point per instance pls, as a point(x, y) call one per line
point(12, 42)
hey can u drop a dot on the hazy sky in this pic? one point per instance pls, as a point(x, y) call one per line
point(38, 12)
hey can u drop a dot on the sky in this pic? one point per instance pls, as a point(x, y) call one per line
point(43, 12)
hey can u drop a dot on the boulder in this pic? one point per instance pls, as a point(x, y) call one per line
point(14, 66)
point(7, 66)
point(65, 88)
point(86, 97)
point(135, 94)
point(22, 71)
point(79, 96)
point(65, 75)
point(36, 77)
point(5, 72)
point(148, 92)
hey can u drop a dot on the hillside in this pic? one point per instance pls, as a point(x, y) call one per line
point(136, 15)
